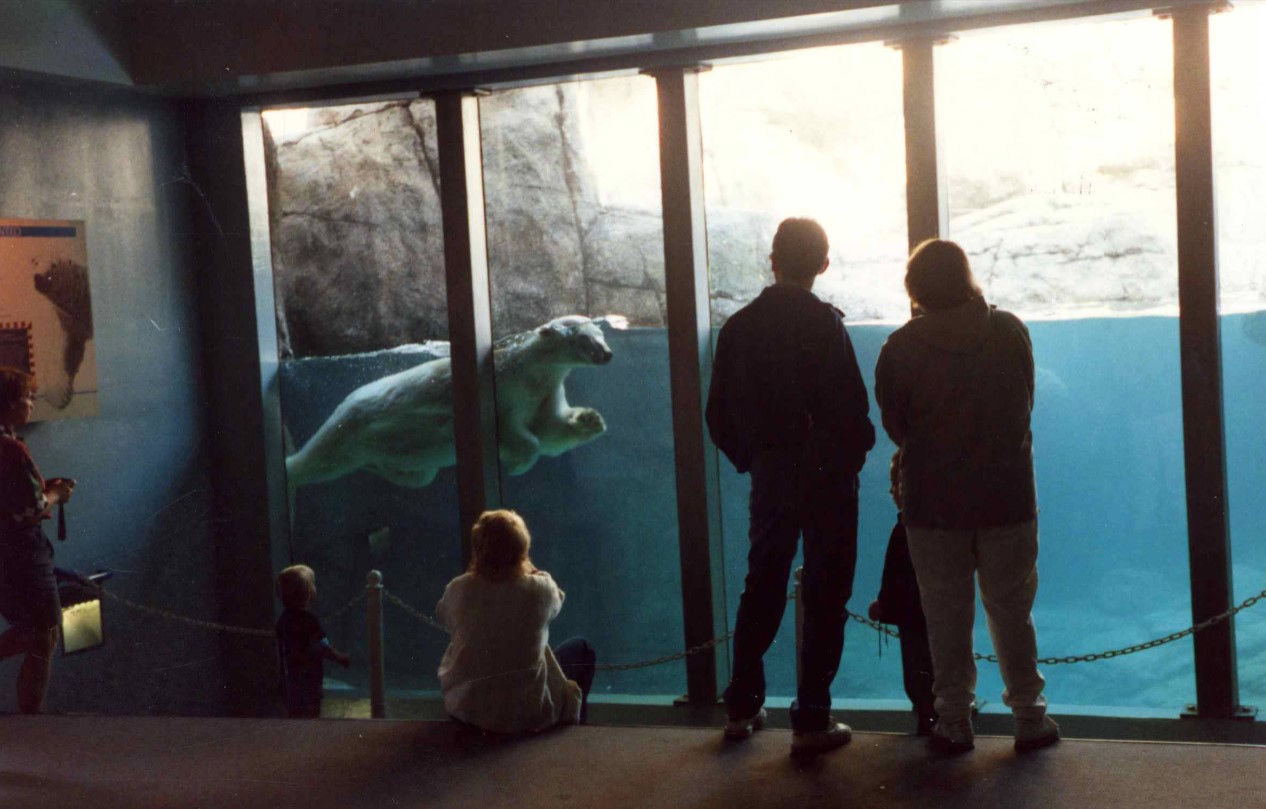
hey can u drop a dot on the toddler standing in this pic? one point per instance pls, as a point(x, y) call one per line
point(899, 604)
point(301, 644)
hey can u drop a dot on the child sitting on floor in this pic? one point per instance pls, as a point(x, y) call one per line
point(301, 644)
point(899, 604)
point(499, 673)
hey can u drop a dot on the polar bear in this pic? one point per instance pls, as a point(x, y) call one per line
point(65, 284)
point(401, 426)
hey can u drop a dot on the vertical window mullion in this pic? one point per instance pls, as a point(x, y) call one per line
point(1217, 692)
point(926, 202)
point(690, 359)
point(469, 307)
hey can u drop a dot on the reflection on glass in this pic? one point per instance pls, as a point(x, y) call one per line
point(571, 175)
point(1239, 118)
point(1059, 151)
point(362, 318)
point(818, 134)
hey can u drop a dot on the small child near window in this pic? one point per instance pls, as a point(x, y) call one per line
point(899, 604)
point(301, 644)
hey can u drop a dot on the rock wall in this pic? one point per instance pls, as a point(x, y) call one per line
point(358, 249)
point(358, 244)
point(357, 237)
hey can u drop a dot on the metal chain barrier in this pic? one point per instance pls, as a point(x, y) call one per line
point(641, 664)
point(338, 613)
point(875, 625)
point(645, 664)
point(1139, 647)
point(702, 647)
point(212, 625)
point(892, 633)
point(416, 613)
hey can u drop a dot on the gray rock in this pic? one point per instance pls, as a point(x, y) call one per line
point(358, 252)
point(738, 248)
point(539, 201)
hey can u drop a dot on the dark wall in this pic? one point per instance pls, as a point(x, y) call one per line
point(240, 349)
point(143, 502)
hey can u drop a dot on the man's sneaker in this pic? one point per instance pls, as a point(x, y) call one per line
point(744, 727)
point(952, 737)
point(1034, 734)
point(835, 734)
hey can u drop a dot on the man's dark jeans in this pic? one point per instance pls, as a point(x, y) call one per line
point(791, 497)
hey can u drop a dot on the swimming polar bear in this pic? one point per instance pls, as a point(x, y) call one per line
point(401, 426)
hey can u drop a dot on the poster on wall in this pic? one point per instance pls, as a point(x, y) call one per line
point(46, 314)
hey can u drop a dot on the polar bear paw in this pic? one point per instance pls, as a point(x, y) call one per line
point(58, 393)
point(587, 422)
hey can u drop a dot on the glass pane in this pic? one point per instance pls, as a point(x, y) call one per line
point(1059, 148)
point(571, 174)
point(1239, 118)
point(816, 134)
point(358, 262)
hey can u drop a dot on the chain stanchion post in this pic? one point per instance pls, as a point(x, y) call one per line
point(799, 619)
point(377, 674)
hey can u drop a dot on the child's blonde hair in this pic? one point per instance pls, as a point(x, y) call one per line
point(500, 543)
point(297, 586)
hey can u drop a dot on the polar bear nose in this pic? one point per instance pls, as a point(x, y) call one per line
point(603, 355)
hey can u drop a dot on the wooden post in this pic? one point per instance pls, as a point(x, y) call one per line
point(377, 666)
point(799, 620)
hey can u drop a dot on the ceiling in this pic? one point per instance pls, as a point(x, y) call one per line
point(301, 49)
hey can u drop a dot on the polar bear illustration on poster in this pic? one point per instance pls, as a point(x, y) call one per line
point(65, 285)
point(401, 426)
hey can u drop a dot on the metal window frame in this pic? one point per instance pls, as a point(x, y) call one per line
point(688, 296)
point(688, 305)
point(469, 307)
point(1204, 436)
point(927, 201)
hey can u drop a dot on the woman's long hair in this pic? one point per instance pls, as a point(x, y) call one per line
point(500, 543)
point(939, 277)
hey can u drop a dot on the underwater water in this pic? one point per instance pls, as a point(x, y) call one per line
point(1108, 447)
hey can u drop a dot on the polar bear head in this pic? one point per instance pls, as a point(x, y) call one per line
point(574, 340)
point(65, 284)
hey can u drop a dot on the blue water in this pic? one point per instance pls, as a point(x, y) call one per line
point(1108, 447)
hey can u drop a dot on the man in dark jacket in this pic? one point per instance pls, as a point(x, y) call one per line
point(955, 388)
point(788, 404)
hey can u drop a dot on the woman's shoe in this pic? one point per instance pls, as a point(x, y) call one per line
point(953, 738)
point(1034, 734)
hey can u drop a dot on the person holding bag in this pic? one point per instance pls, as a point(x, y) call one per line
point(28, 588)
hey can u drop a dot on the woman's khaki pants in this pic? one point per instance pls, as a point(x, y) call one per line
point(948, 564)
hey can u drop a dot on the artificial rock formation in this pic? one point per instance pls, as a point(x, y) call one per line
point(358, 252)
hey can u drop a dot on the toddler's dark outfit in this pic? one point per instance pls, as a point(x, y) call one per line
point(301, 645)
point(899, 604)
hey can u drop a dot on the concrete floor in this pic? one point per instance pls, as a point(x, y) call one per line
point(50, 762)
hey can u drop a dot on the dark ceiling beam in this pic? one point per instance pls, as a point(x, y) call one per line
point(176, 41)
point(346, 84)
